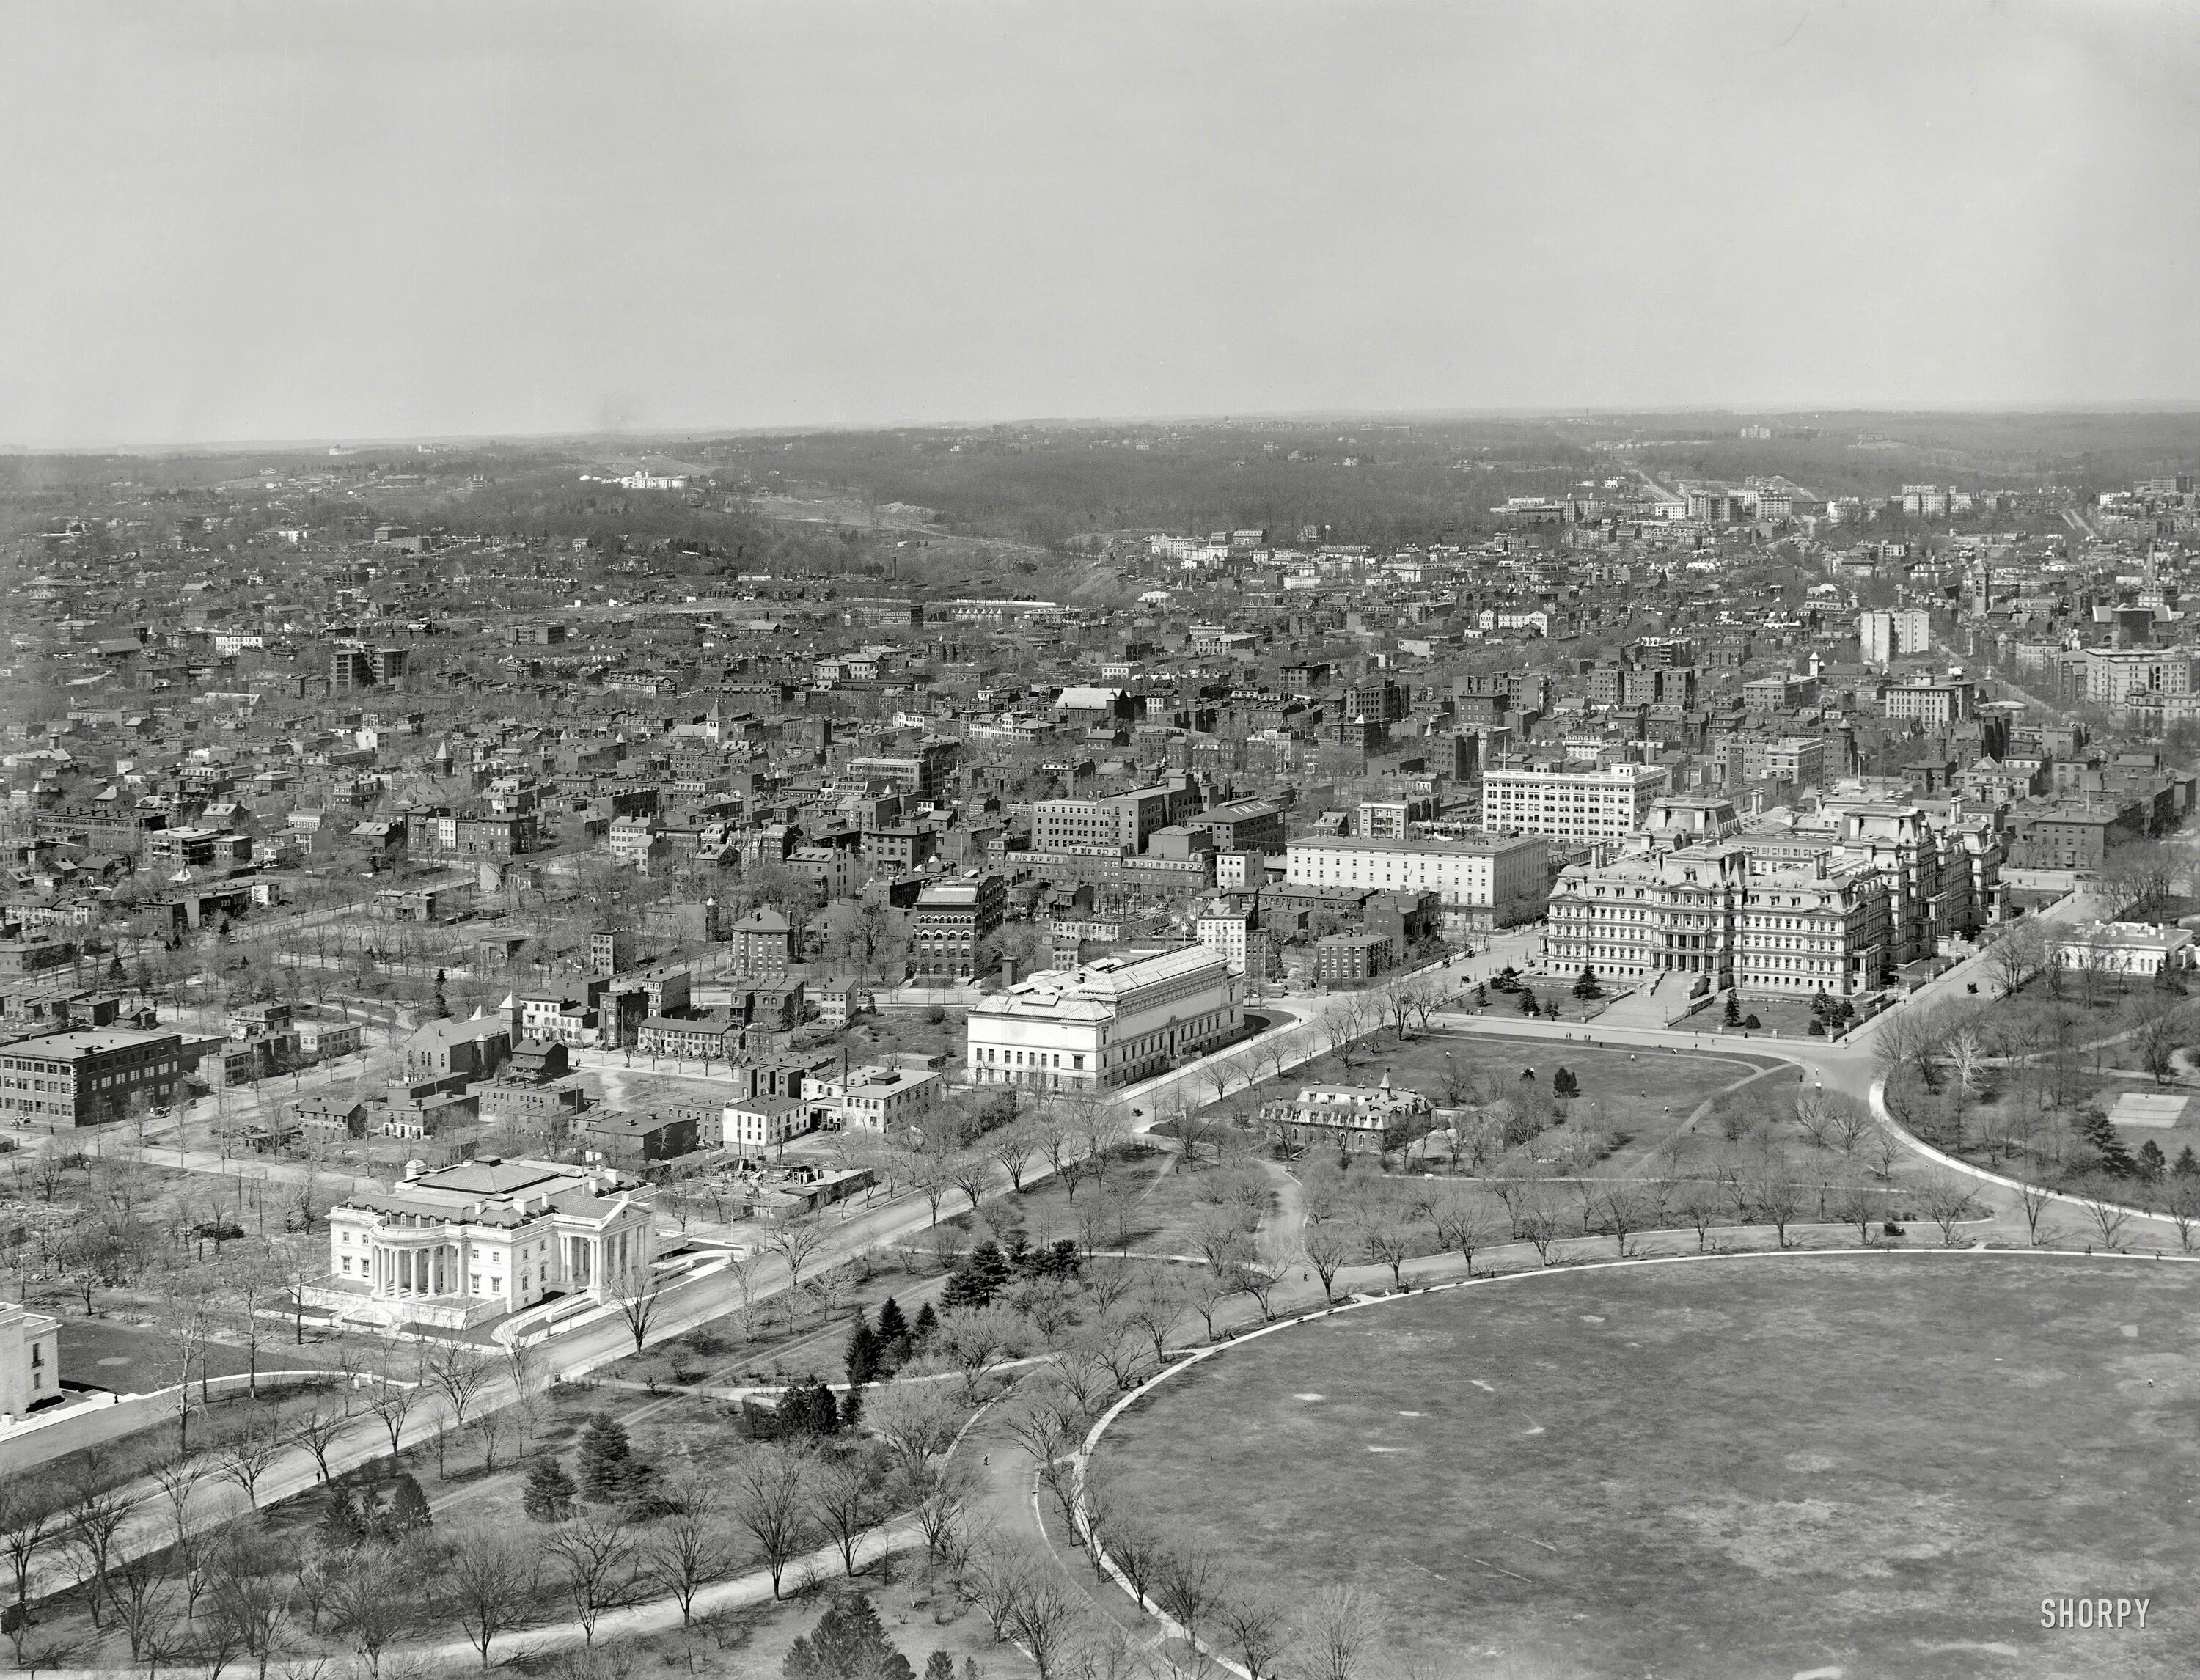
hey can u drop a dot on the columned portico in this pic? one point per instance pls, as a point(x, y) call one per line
point(412, 1270)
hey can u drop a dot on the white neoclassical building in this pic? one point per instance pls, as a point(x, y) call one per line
point(465, 1243)
point(30, 1362)
point(1112, 1022)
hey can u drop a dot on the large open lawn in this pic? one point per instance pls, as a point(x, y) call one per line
point(1860, 1466)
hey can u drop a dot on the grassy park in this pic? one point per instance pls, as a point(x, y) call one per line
point(1555, 1476)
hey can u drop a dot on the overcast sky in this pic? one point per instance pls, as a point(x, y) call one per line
point(282, 221)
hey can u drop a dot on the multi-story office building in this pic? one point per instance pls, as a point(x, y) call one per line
point(1113, 822)
point(1243, 825)
point(1886, 634)
point(1935, 705)
point(1716, 911)
point(1791, 758)
point(2115, 676)
point(1384, 819)
point(955, 925)
point(356, 667)
point(1108, 1022)
point(1584, 805)
point(197, 849)
point(1493, 881)
point(87, 1076)
point(1229, 929)
point(920, 772)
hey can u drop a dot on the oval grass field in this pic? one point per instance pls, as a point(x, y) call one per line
point(1867, 1465)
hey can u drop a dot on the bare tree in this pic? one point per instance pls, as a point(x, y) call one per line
point(2179, 1199)
point(1011, 1145)
point(1255, 1626)
point(1157, 1309)
point(995, 1581)
point(392, 1403)
point(1862, 1207)
point(1326, 1247)
point(371, 1601)
point(743, 1273)
point(1187, 1585)
point(592, 1558)
point(943, 1496)
point(970, 1175)
point(2110, 1216)
point(691, 1549)
point(767, 1494)
point(1462, 1224)
point(253, 1595)
point(845, 1499)
point(176, 1475)
point(1206, 1288)
point(317, 1430)
point(1062, 1140)
point(917, 1421)
point(1336, 1626)
point(490, 1581)
point(2034, 1200)
point(932, 1171)
point(1384, 1235)
point(976, 1342)
point(1619, 1206)
point(96, 1517)
point(796, 1242)
point(246, 1458)
point(2017, 956)
point(1907, 1038)
point(1045, 1617)
point(1947, 1203)
point(637, 1297)
point(1772, 1197)
point(456, 1371)
point(2159, 1037)
point(146, 1609)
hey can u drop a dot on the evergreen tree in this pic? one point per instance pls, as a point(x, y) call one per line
point(848, 1643)
point(941, 1668)
point(408, 1511)
point(1527, 1000)
point(2188, 1164)
point(807, 1408)
point(1564, 1084)
point(851, 1408)
point(604, 1450)
point(862, 1357)
point(1586, 987)
point(893, 1331)
point(927, 1322)
point(549, 1494)
point(1481, 995)
point(983, 1274)
point(1732, 1016)
point(1821, 1004)
point(342, 1529)
point(2101, 1137)
point(2152, 1163)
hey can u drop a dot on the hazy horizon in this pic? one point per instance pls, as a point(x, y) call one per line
point(261, 225)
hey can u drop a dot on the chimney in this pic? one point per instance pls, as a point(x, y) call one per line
point(1008, 972)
